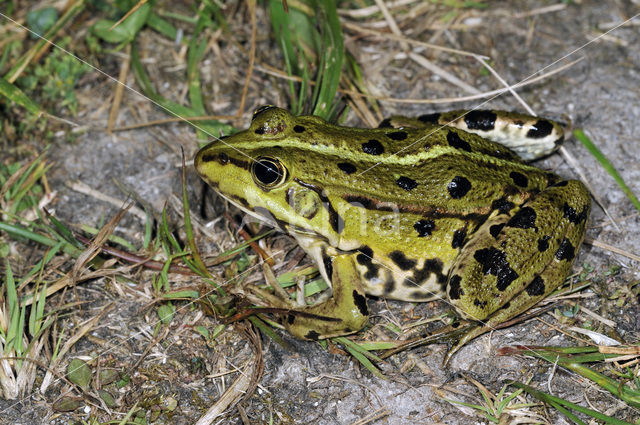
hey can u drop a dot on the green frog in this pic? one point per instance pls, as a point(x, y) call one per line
point(439, 206)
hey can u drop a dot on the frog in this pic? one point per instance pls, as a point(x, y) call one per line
point(441, 206)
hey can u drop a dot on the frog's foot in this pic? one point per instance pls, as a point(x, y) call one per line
point(516, 259)
point(344, 313)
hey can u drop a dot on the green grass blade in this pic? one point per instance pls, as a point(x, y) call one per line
point(332, 58)
point(282, 32)
point(548, 398)
point(14, 94)
point(162, 26)
point(71, 11)
point(606, 164)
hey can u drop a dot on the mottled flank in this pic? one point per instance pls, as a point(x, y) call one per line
point(455, 290)
point(458, 187)
point(565, 251)
point(502, 205)
point(494, 262)
point(431, 266)
point(542, 128)
point(347, 168)
point(361, 302)
point(401, 260)
point(373, 147)
point(519, 179)
point(397, 135)
point(496, 229)
point(406, 183)
point(365, 258)
point(536, 287)
point(543, 243)
point(429, 118)
point(525, 218)
point(299, 129)
point(572, 215)
point(327, 261)
point(456, 142)
point(480, 120)
point(389, 285)
point(424, 227)
point(458, 238)
point(312, 335)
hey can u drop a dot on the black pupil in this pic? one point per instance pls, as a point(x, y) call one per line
point(266, 172)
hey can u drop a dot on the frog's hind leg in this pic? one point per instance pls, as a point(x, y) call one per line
point(514, 260)
point(344, 313)
point(530, 137)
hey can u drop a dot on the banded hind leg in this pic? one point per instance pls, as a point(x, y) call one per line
point(344, 313)
point(529, 136)
point(516, 259)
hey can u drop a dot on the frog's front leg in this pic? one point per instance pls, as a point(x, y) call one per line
point(516, 259)
point(344, 313)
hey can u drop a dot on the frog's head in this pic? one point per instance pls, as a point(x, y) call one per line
point(257, 169)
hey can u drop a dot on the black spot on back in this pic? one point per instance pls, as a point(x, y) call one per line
point(372, 147)
point(259, 130)
point(561, 183)
point(401, 260)
point(386, 123)
point(525, 218)
point(346, 167)
point(299, 129)
point(361, 302)
point(456, 142)
point(572, 215)
point(494, 262)
point(458, 187)
point(536, 287)
point(424, 227)
point(519, 179)
point(565, 251)
point(455, 291)
point(496, 229)
point(397, 135)
point(458, 238)
point(429, 118)
point(542, 128)
point(543, 243)
point(480, 120)
point(502, 205)
point(478, 303)
point(406, 183)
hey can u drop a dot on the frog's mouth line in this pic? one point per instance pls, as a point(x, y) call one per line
point(263, 215)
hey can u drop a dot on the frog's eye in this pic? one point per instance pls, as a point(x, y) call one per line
point(268, 172)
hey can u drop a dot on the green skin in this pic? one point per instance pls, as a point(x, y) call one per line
point(427, 210)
